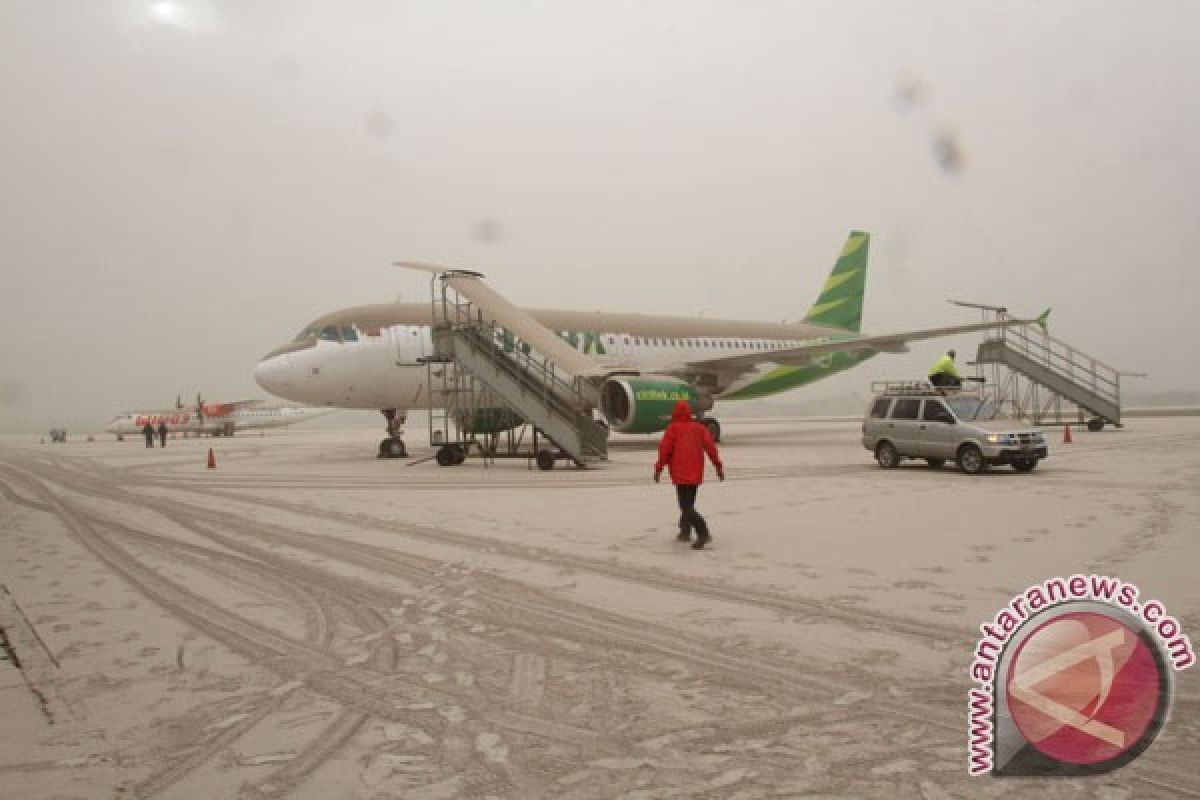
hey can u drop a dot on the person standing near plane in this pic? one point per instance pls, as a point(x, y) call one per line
point(162, 433)
point(682, 449)
point(943, 373)
point(148, 432)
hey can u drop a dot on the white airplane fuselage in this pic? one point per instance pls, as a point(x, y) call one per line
point(385, 370)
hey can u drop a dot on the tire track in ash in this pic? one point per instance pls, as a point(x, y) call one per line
point(483, 779)
point(535, 613)
point(538, 615)
point(513, 605)
point(206, 749)
point(548, 612)
point(263, 646)
point(349, 687)
point(327, 744)
point(252, 574)
point(1179, 784)
point(786, 604)
point(760, 678)
point(247, 572)
point(585, 629)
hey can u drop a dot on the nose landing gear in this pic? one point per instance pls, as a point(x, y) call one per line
point(393, 445)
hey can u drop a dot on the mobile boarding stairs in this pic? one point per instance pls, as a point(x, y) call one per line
point(1035, 374)
point(493, 362)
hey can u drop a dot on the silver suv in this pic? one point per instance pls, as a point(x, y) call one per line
point(915, 420)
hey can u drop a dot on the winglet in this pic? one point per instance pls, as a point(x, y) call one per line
point(1041, 320)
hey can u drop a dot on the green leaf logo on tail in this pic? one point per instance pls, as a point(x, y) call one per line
point(839, 306)
point(841, 300)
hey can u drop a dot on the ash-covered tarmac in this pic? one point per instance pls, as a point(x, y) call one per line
point(308, 621)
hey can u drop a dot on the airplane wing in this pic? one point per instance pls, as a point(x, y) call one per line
point(799, 356)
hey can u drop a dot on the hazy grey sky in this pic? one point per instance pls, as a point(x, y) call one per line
point(187, 183)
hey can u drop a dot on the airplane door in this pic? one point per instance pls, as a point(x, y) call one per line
point(409, 344)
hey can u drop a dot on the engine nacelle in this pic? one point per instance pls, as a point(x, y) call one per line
point(643, 404)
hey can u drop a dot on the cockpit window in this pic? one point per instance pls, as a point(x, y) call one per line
point(349, 334)
point(329, 333)
point(307, 333)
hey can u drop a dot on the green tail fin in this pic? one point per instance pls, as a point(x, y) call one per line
point(841, 300)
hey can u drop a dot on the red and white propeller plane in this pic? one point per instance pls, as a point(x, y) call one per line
point(213, 419)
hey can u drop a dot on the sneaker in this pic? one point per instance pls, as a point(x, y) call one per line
point(701, 540)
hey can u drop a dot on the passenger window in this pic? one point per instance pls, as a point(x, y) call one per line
point(880, 407)
point(349, 334)
point(936, 412)
point(906, 408)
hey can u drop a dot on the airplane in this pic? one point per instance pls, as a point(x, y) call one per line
point(371, 357)
point(213, 419)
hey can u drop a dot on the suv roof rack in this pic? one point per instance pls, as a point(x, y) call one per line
point(972, 387)
point(904, 387)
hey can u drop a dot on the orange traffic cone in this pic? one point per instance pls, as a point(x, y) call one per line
point(1066, 434)
point(212, 459)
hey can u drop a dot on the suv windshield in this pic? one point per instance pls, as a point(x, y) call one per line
point(968, 408)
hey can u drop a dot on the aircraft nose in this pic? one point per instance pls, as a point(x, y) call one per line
point(273, 374)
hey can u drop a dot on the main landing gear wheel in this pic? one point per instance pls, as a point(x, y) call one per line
point(545, 460)
point(451, 455)
point(392, 448)
point(1095, 424)
point(714, 428)
point(393, 445)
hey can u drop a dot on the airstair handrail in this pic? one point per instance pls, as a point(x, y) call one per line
point(1063, 359)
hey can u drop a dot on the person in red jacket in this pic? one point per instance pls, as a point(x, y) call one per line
point(682, 450)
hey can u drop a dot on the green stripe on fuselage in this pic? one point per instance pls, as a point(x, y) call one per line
point(782, 379)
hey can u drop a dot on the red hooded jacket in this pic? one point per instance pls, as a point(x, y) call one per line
point(683, 447)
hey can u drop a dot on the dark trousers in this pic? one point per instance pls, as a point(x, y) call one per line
point(689, 518)
point(942, 380)
point(149, 440)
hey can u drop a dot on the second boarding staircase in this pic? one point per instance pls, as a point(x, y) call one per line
point(1059, 368)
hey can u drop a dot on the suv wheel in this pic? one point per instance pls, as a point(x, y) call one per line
point(970, 459)
point(1024, 464)
point(886, 455)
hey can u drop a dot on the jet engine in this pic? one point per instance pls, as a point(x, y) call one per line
point(643, 404)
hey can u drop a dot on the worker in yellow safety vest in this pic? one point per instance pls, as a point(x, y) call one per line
point(943, 373)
